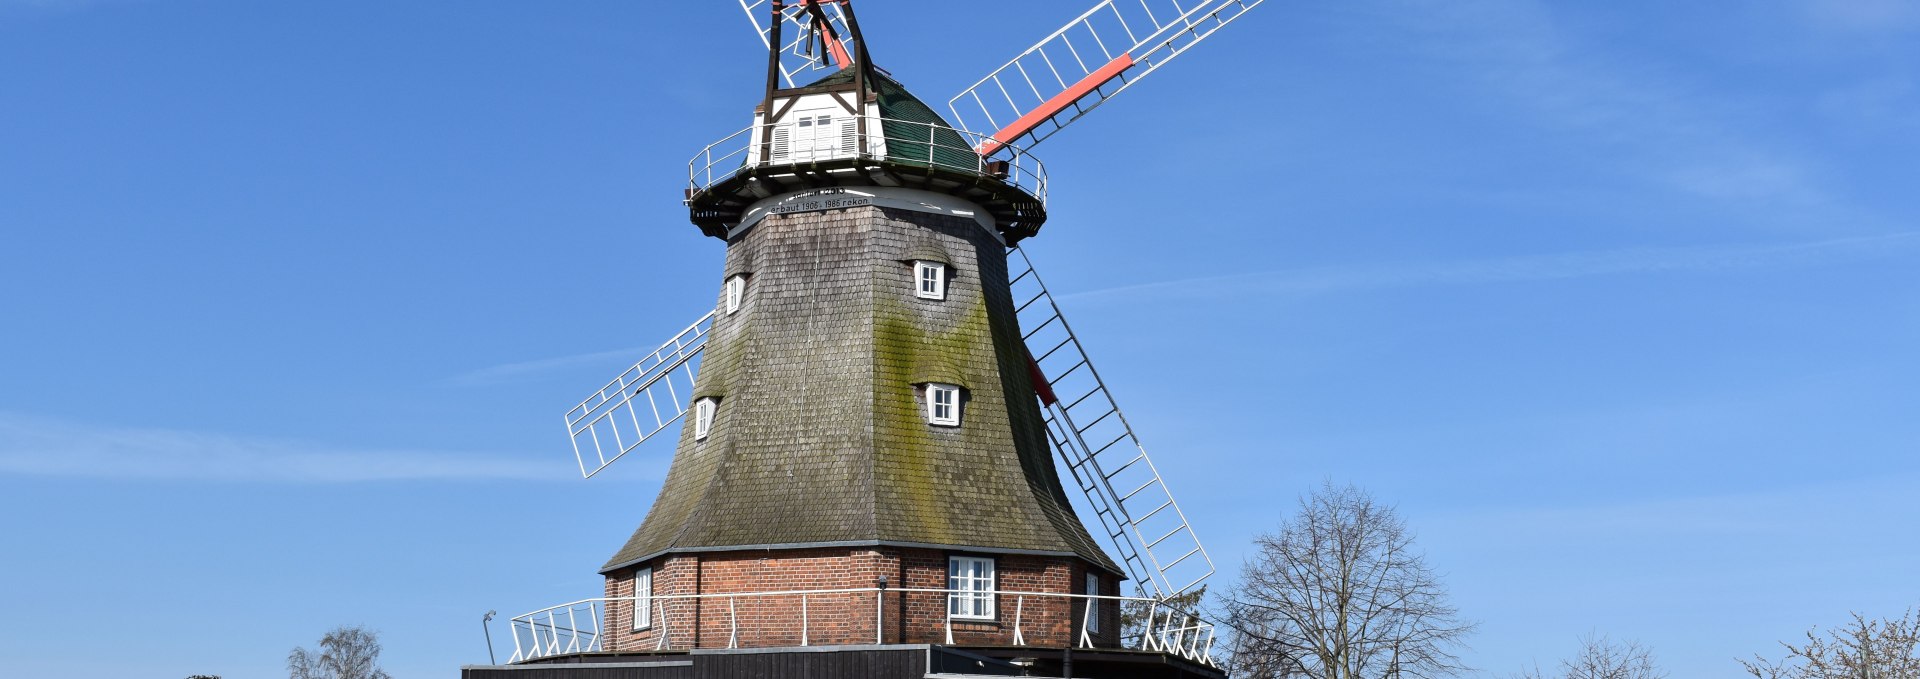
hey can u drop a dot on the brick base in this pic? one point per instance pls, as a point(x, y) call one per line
point(848, 618)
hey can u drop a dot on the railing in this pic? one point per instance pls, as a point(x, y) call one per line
point(929, 145)
point(579, 627)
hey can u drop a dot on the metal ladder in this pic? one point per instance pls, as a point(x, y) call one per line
point(1088, 431)
point(609, 422)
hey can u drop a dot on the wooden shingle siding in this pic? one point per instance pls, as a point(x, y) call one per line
point(820, 438)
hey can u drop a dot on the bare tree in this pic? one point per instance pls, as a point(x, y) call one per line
point(1603, 658)
point(345, 653)
point(1339, 593)
point(1138, 617)
point(1862, 649)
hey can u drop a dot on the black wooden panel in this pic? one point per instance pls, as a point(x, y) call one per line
point(890, 663)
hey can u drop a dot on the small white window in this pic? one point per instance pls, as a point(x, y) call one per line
point(1093, 611)
point(703, 417)
point(971, 579)
point(643, 598)
point(736, 288)
point(943, 405)
point(930, 280)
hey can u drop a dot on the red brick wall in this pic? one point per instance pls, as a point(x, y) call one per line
point(848, 618)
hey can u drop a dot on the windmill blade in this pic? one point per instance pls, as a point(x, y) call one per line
point(1085, 63)
point(807, 45)
point(609, 423)
point(1143, 523)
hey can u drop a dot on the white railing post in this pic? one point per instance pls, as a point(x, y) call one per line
point(660, 618)
point(593, 613)
point(1019, 602)
point(733, 623)
point(573, 630)
point(803, 620)
point(1086, 638)
point(1146, 634)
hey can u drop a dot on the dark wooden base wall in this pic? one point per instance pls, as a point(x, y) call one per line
point(905, 661)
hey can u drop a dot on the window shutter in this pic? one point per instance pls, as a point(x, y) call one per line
point(849, 137)
point(782, 144)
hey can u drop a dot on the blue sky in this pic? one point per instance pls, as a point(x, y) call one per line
point(1617, 302)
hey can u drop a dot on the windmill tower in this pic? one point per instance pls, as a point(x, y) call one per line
point(873, 408)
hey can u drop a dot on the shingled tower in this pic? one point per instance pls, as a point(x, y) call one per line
point(865, 413)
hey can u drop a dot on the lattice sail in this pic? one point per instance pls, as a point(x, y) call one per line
point(806, 46)
point(609, 424)
point(1148, 530)
point(1085, 63)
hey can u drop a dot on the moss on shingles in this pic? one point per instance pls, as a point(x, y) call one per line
point(900, 334)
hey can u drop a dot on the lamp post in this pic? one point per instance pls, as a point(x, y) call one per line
point(484, 629)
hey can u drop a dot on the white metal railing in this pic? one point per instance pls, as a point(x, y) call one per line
point(611, 423)
point(579, 627)
point(929, 145)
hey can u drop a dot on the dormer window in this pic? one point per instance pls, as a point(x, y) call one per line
point(703, 410)
point(943, 404)
point(930, 280)
point(736, 290)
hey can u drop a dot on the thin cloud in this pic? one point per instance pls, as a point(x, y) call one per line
point(41, 447)
point(1866, 16)
point(1805, 508)
point(1325, 280)
point(1667, 129)
point(509, 372)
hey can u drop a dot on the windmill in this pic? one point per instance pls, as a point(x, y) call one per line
point(873, 407)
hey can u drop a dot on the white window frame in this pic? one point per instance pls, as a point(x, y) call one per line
point(818, 135)
point(1093, 607)
point(943, 404)
point(736, 290)
point(703, 411)
point(921, 269)
point(643, 598)
point(973, 579)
